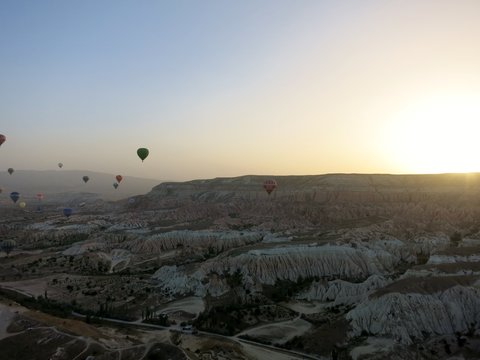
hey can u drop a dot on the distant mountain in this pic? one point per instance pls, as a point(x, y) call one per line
point(58, 183)
point(252, 185)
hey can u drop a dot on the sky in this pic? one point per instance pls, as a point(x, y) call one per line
point(228, 88)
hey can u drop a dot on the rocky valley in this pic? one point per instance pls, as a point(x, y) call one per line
point(341, 266)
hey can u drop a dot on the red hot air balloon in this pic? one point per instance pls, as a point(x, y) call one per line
point(269, 186)
point(2, 139)
point(39, 196)
point(119, 178)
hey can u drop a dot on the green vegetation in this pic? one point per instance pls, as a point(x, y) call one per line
point(284, 290)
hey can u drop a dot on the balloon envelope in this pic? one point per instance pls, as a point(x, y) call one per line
point(60, 165)
point(39, 196)
point(2, 139)
point(269, 186)
point(119, 178)
point(10, 171)
point(85, 178)
point(14, 196)
point(67, 212)
point(115, 185)
point(142, 153)
point(22, 204)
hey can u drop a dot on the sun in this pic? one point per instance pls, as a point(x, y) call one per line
point(436, 135)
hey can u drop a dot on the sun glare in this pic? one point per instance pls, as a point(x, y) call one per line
point(437, 135)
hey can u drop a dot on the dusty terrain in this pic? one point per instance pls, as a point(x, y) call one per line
point(365, 266)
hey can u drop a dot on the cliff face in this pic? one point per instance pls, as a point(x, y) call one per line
point(340, 292)
point(414, 202)
point(413, 316)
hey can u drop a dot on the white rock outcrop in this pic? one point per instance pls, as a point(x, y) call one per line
point(341, 292)
point(406, 317)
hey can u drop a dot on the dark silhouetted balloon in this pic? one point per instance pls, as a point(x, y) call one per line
point(60, 165)
point(269, 186)
point(10, 171)
point(67, 212)
point(8, 245)
point(119, 178)
point(86, 178)
point(14, 196)
point(1, 190)
point(115, 185)
point(142, 153)
point(2, 139)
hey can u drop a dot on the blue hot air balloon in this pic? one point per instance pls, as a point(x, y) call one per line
point(67, 212)
point(14, 196)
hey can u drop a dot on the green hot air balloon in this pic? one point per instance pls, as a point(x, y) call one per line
point(142, 153)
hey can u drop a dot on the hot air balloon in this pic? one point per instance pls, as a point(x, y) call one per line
point(115, 185)
point(39, 196)
point(67, 212)
point(14, 196)
point(8, 245)
point(86, 178)
point(10, 171)
point(22, 204)
point(1, 190)
point(119, 178)
point(2, 139)
point(142, 153)
point(269, 186)
point(60, 165)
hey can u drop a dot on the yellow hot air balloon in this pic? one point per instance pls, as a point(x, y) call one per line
point(22, 204)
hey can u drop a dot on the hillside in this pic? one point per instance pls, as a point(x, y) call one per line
point(59, 183)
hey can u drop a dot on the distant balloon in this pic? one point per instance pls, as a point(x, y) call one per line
point(8, 245)
point(22, 204)
point(39, 196)
point(86, 178)
point(2, 139)
point(14, 196)
point(142, 153)
point(60, 165)
point(269, 186)
point(115, 185)
point(39, 209)
point(10, 171)
point(119, 178)
point(67, 212)
point(1, 190)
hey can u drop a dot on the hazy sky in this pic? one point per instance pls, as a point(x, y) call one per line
point(226, 88)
